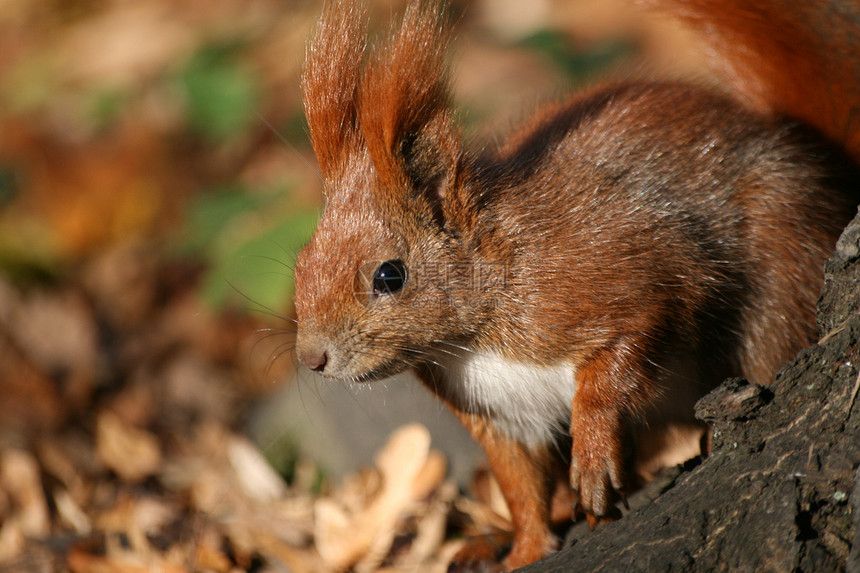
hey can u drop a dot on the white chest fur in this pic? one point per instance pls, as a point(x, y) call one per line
point(525, 401)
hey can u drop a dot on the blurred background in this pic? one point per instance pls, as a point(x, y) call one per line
point(156, 183)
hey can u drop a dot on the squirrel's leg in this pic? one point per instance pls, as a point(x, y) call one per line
point(526, 480)
point(614, 384)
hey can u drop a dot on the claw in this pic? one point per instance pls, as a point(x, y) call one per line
point(596, 471)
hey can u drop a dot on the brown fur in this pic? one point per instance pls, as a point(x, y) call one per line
point(329, 82)
point(650, 239)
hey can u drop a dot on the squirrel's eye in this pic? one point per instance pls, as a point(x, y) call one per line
point(389, 277)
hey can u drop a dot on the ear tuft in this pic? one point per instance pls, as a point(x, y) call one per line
point(330, 79)
point(403, 96)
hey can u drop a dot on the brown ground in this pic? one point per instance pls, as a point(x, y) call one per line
point(155, 183)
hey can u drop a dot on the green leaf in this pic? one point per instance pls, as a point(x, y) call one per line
point(578, 64)
point(209, 214)
point(221, 93)
point(106, 105)
point(10, 184)
point(28, 251)
point(259, 272)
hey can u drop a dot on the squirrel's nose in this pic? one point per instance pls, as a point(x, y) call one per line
point(315, 360)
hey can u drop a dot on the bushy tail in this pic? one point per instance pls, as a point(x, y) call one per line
point(799, 58)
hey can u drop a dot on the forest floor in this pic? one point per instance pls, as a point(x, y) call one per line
point(155, 184)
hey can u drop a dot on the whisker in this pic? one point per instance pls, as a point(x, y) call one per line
point(269, 311)
point(454, 345)
point(273, 259)
point(276, 355)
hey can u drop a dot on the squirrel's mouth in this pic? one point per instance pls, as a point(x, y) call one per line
point(377, 372)
point(347, 361)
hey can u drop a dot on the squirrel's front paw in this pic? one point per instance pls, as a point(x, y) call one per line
point(596, 465)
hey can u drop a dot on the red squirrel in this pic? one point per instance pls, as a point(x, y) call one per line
point(617, 257)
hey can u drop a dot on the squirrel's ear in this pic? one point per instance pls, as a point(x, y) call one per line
point(330, 79)
point(403, 103)
point(428, 157)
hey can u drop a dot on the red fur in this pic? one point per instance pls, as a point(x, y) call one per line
point(404, 88)
point(330, 80)
point(799, 58)
point(630, 247)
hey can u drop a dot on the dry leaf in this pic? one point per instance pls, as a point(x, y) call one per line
point(71, 513)
point(431, 528)
point(257, 478)
point(12, 541)
point(57, 331)
point(404, 453)
point(208, 555)
point(57, 462)
point(211, 494)
point(333, 543)
point(136, 520)
point(30, 398)
point(79, 561)
point(482, 516)
point(295, 560)
point(21, 479)
point(132, 453)
point(445, 555)
point(486, 490)
point(363, 540)
point(430, 476)
point(497, 500)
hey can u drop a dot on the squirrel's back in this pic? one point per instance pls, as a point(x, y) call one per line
point(638, 193)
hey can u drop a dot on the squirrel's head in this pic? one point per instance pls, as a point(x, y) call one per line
point(372, 286)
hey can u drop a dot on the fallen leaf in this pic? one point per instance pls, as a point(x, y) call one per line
point(257, 478)
point(21, 479)
point(362, 540)
point(430, 476)
point(30, 398)
point(12, 541)
point(430, 529)
point(79, 561)
point(132, 453)
point(71, 513)
point(208, 555)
